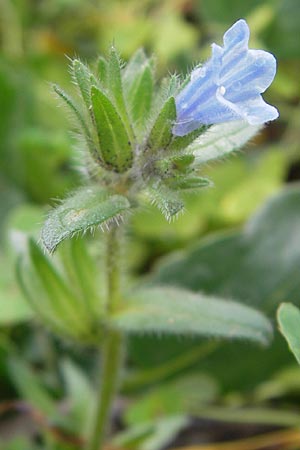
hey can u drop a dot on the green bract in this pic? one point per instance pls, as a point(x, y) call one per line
point(125, 121)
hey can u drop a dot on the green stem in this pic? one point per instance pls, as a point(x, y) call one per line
point(112, 350)
point(113, 269)
point(111, 357)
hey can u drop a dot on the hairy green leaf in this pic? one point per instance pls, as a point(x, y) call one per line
point(83, 78)
point(65, 303)
point(56, 301)
point(161, 133)
point(69, 102)
point(116, 88)
point(181, 142)
point(102, 70)
point(73, 108)
point(115, 79)
point(49, 309)
point(114, 141)
point(221, 139)
point(177, 311)
point(189, 183)
point(132, 68)
point(86, 209)
point(82, 274)
point(140, 94)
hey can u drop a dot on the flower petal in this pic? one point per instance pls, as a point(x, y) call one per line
point(202, 81)
point(237, 36)
point(255, 73)
point(255, 110)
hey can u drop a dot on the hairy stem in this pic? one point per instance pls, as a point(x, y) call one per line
point(113, 269)
point(111, 352)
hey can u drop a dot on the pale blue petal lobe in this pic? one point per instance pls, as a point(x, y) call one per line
point(257, 72)
point(238, 34)
point(257, 111)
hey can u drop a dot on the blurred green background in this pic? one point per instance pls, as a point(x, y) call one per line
point(38, 165)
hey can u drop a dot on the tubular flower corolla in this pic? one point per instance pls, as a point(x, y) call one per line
point(228, 86)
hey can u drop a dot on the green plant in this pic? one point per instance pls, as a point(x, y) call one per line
point(141, 142)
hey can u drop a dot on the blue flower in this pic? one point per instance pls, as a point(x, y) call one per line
point(228, 86)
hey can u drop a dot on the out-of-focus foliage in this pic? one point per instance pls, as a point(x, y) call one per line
point(53, 381)
point(289, 320)
point(242, 266)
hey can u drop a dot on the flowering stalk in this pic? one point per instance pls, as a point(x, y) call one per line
point(111, 357)
point(142, 143)
point(111, 350)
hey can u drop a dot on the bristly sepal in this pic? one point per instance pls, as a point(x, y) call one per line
point(166, 200)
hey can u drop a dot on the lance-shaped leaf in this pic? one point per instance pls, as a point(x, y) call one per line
point(83, 125)
point(221, 139)
point(115, 145)
point(102, 70)
point(132, 68)
point(115, 86)
point(139, 95)
point(115, 80)
point(82, 274)
point(86, 209)
point(289, 324)
point(83, 78)
point(161, 133)
point(181, 142)
point(50, 297)
point(177, 311)
point(189, 183)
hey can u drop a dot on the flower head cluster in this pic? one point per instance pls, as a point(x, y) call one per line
point(229, 86)
point(141, 141)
